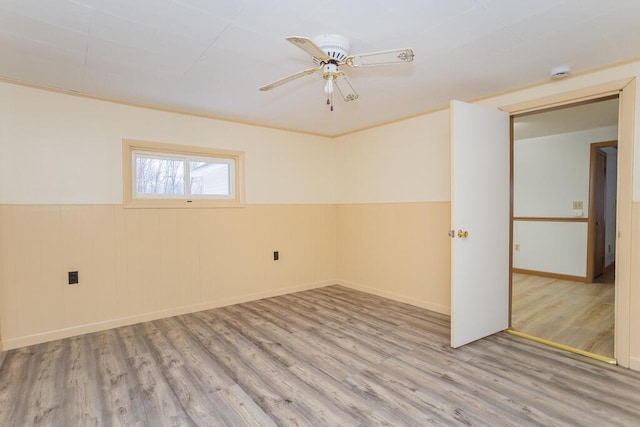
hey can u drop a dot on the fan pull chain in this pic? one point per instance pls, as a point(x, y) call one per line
point(330, 101)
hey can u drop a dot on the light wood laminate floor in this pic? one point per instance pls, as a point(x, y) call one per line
point(327, 357)
point(580, 315)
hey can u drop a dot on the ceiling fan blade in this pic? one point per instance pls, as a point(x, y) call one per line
point(345, 88)
point(290, 78)
point(308, 46)
point(395, 56)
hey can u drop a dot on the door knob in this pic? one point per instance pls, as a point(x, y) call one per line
point(463, 234)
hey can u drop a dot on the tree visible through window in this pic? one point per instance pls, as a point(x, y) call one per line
point(159, 176)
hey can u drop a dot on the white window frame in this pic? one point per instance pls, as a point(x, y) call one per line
point(132, 199)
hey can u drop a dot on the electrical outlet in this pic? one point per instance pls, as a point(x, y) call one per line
point(577, 205)
point(517, 247)
point(276, 255)
point(73, 277)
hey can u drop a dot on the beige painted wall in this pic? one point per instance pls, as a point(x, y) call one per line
point(65, 149)
point(141, 264)
point(406, 161)
point(396, 250)
point(393, 211)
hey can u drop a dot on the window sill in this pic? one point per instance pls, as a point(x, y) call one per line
point(181, 204)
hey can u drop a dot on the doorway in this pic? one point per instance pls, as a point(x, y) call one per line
point(625, 317)
point(563, 226)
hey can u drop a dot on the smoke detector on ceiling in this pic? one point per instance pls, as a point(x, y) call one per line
point(560, 72)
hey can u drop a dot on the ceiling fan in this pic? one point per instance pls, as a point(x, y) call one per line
point(330, 51)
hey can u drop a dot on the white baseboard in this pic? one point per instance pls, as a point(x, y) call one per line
point(57, 334)
point(27, 340)
point(396, 297)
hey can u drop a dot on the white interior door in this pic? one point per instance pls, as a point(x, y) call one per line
point(480, 206)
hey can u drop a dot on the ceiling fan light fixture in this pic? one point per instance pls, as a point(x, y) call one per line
point(328, 87)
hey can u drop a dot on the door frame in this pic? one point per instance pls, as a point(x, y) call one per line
point(626, 90)
point(591, 235)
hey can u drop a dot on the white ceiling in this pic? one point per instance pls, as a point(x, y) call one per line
point(210, 56)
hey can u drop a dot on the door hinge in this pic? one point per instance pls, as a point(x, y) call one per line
point(451, 233)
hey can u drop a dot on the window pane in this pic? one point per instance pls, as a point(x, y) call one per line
point(209, 178)
point(159, 176)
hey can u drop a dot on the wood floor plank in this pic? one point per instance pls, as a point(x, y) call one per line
point(455, 384)
point(13, 371)
point(158, 402)
point(247, 411)
point(82, 403)
point(44, 399)
point(306, 334)
point(278, 405)
point(272, 372)
point(327, 356)
point(580, 315)
point(568, 385)
point(408, 413)
point(115, 380)
point(453, 399)
point(367, 351)
point(191, 390)
point(358, 404)
point(260, 337)
point(314, 352)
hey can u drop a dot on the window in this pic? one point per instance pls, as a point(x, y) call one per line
point(164, 175)
point(158, 175)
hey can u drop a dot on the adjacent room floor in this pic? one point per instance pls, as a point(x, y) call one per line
point(330, 356)
point(580, 315)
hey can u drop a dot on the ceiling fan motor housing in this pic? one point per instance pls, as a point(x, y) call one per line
point(336, 46)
